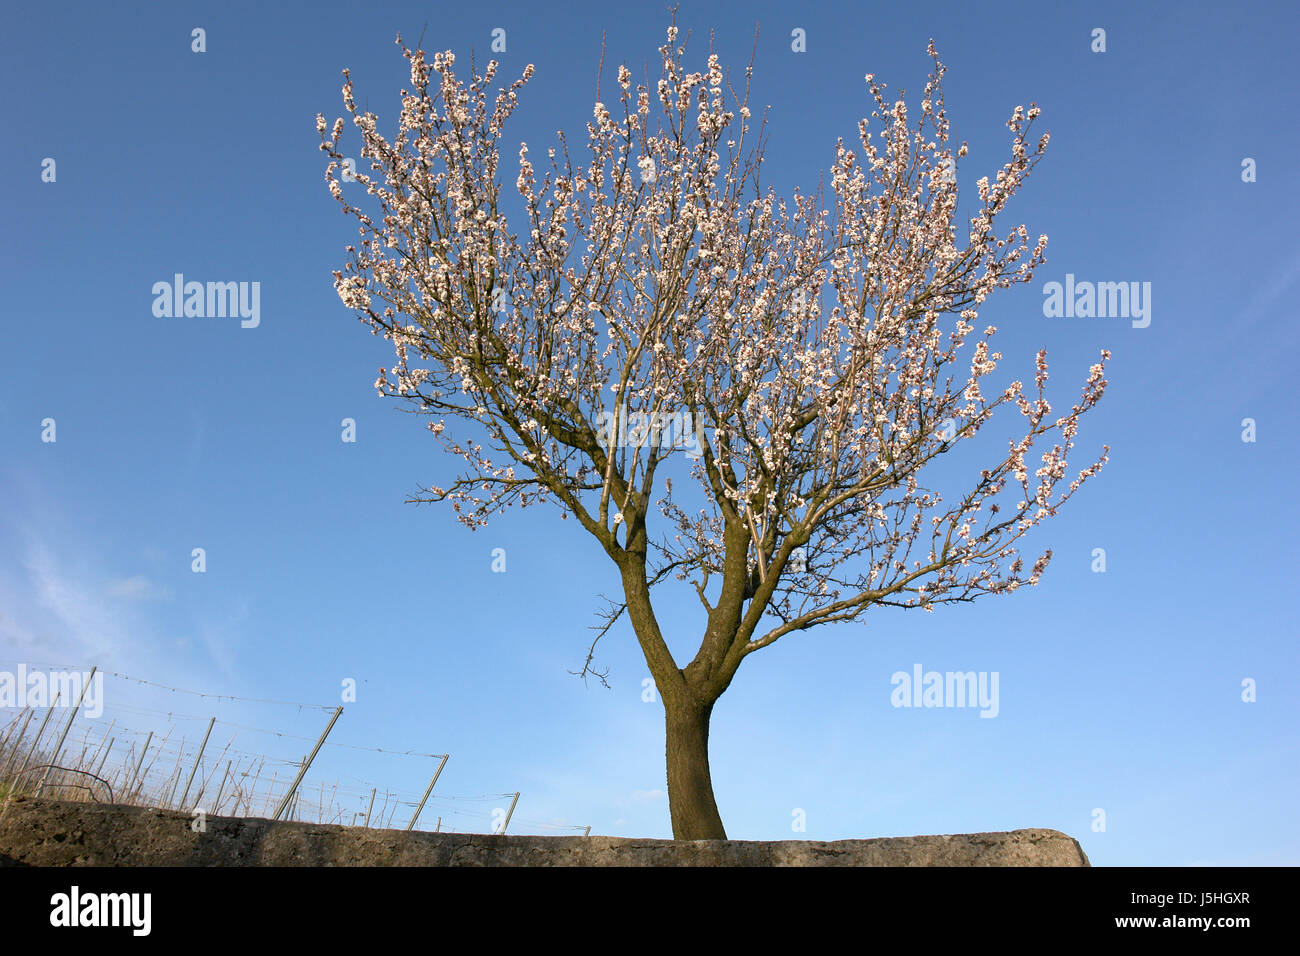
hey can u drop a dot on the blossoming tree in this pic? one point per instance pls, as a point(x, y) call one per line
point(814, 345)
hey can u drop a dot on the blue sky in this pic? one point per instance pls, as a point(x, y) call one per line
point(1118, 690)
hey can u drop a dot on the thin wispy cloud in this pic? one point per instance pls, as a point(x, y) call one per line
point(137, 588)
point(53, 614)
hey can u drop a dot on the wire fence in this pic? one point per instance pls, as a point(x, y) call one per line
point(67, 742)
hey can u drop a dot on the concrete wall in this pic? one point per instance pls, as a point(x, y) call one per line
point(52, 833)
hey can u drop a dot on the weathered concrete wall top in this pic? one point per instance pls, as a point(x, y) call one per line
point(52, 833)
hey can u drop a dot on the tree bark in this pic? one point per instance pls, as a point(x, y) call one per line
point(691, 803)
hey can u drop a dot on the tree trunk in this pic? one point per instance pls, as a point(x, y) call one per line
point(690, 789)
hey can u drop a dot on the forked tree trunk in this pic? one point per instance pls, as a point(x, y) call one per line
point(690, 788)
